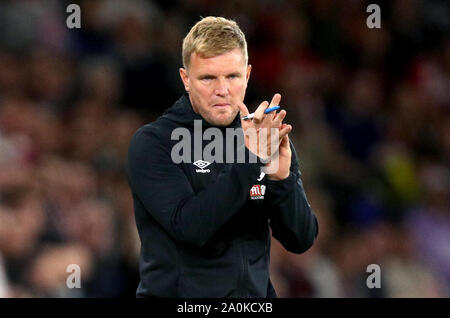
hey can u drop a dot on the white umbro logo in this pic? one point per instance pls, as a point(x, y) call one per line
point(202, 165)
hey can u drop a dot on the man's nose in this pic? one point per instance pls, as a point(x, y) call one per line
point(221, 88)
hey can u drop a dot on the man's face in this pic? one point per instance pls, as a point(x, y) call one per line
point(216, 84)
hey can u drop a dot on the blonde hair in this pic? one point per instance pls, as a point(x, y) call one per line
point(212, 36)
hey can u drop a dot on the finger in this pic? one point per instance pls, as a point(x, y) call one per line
point(284, 130)
point(275, 100)
point(278, 119)
point(259, 113)
point(243, 110)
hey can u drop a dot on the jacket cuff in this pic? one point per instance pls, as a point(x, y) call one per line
point(279, 187)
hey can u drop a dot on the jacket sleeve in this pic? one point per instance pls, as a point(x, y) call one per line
point(292, 220)
point(166, 193)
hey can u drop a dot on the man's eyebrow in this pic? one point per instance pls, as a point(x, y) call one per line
point(201, 76)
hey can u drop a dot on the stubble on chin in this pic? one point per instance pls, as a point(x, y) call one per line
point(221, 120)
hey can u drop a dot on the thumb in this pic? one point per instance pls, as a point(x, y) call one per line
point(243, 110)
point(284, 142)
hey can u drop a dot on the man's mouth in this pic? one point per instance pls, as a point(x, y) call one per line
point(221, 105)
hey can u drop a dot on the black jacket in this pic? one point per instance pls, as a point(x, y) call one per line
point(205, 231)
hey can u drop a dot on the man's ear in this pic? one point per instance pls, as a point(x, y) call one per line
point(185, 78)
point(249, 70)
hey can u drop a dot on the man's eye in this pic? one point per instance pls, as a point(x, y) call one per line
point(207, 78)
point(233, 76)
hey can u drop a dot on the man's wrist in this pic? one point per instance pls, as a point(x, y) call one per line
point(251, 157)
point(259, 158)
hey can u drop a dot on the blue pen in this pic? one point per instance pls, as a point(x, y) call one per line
point(268, 110)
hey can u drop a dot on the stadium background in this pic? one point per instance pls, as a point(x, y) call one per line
point(369, 109)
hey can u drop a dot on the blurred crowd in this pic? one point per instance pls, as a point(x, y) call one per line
point(369, 109)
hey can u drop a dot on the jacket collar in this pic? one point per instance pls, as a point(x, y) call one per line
point(183, 113)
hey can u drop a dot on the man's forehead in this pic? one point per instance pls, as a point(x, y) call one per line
point(229, 61)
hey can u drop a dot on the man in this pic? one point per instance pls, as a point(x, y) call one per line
point(205, 226)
